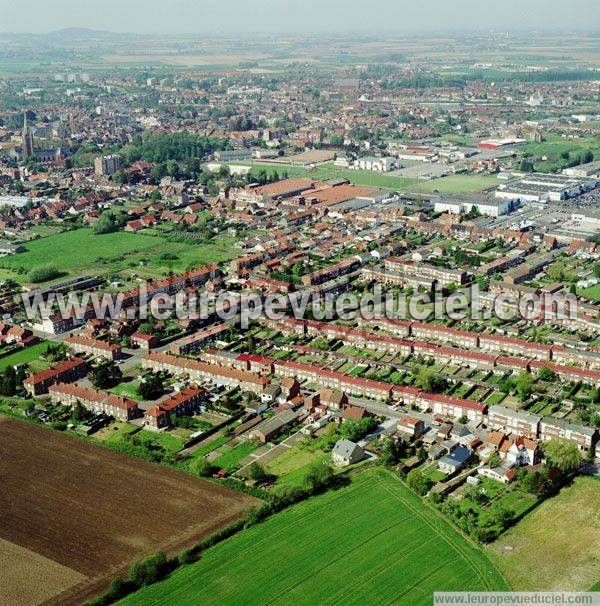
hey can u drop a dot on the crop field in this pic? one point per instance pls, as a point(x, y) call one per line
point(373, 542)
point(79, 251)
point(101, 511)
point(557, 546)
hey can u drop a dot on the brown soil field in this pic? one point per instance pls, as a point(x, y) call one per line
point(96, 511)
point(29, 578)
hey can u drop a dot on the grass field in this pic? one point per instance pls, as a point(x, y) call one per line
point(373, 542)
point(456, 184)
point(557, 546)
point(94, 511)
point(79, 251)
point(451, 184)
point(29, 355)
point(362, 177)
point(592, 293)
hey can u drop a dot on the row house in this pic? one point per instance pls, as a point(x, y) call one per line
point(462, 338)
point(569, 373)
point(260, 365)
point(568, 355)
point(201, 371)
point(198, 340)
point(441, 275)
point(517, 422)
point(93, 347)
point(584, 437)
point(182, 403)
point(519, 347)
point(120, 408)
point(400, 328)
point(66, 372)
point(334, 380)
point(441, 404)
point(332, 272)
point(250, 261)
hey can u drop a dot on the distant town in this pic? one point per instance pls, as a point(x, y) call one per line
point(283, 454)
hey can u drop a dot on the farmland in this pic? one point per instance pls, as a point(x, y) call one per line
point(79, 251)
point(101, 510)
point(393, 549)
point(557, 546)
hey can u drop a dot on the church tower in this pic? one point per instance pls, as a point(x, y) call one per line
point(28, 145)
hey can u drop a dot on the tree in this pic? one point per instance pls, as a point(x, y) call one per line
point(562, 454)
point(151, 386)
point(105, 375)
point(390, 453)
point(79, 412)
point(418, 482)
point(429, 380)
point(318, 476)
point(494, 460)
point(524, 384)
point(355, 430)
point(55, 352)
point(43, 273)
point(526, 166)
point(108, 222)
point(8, 382)
point(203, 468)
point(149, 570)
point(258, 474)
point(558, 272)
point(546, 374)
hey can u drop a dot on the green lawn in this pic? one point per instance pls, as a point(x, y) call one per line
point(291, 466)
point(373, 542)
point(29, 355)
point(128, 389)
point(79, 251)
point(592, 293)
point(557, 546)
point(230, 459)
point(456, 184)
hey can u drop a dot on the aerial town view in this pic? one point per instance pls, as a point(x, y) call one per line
point(300, 302)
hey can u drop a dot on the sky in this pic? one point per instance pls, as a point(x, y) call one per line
point(298, 16)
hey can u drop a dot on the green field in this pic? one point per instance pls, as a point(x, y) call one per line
point(373, 542)
point(29, 355)
point(592, 293)
point(452, 184)
point(557, 546)
point(456, 184)
point(79, 251)
point(361, 177)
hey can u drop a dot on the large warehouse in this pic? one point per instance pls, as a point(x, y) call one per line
point(542, 187)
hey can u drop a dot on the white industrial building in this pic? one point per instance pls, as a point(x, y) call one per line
point(542, 187)
point(489, 207)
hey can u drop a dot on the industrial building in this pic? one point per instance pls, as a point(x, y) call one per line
point(542, 187)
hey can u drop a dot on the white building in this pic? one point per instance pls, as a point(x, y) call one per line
point(383, 165)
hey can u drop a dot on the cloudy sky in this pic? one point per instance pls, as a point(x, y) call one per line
point(214, 16)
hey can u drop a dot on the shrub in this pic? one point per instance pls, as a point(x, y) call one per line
point(43, 273)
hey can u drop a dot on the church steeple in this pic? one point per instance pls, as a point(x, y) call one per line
point(28, 143)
